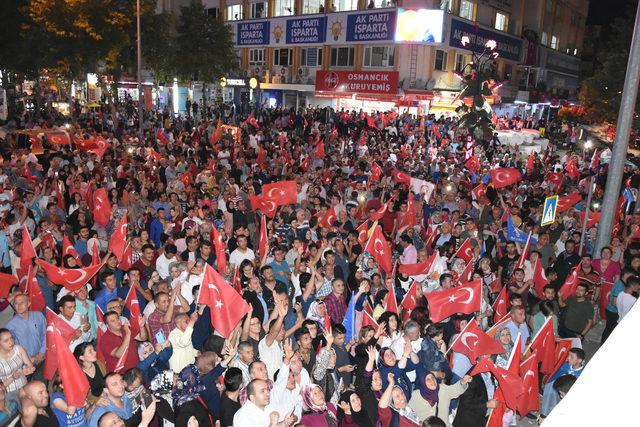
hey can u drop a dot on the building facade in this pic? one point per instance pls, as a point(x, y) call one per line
point(376, 54)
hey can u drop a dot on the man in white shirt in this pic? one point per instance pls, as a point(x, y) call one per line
point(626, 300)
point(165, 259)
point(242, 252)
point(77, 321)
point(270, 347)
point(244, 359)
point(291, 378)
point(254, 412)
point(411, 333)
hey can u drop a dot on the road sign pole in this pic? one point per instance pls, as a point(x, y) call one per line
point(592, 182)
point(623, 130)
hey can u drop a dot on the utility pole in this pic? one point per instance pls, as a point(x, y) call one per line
point(140, 97)
point(623, 131)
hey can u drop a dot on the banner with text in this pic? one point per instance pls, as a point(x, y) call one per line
point(334, 28)
point(508, 47)
point(348, 82)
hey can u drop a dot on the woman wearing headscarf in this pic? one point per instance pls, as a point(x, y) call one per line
point(317, 412)
point(369, 386)
point(317, 311)
point(393, 409)
point(504, 338)
point(434, 398)
point(399, 368)
point(350, 411)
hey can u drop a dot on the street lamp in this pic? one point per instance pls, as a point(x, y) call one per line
point(139, 54)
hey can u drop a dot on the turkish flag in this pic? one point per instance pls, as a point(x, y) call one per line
point(33, 291)
point(390, 302)
point(59, 197)
point(305, 164)
point(71, 278)
point(122, 360)
point(539, 279)
point(605, 293)
point(418, 269)
point(529, 400)
point(226, 304)
point(74, 381)
point(435, 130)
point(495, 285)
point(161, 137)
point(153, 154)
point(465, 276)
point(363, 233)
point(252, 121)
point(513, 365)
point(268, 207)
point(262, 240)
point(473, 342)
point(328, 218)
point(118, 240)
point(496, 417)
point(465, 251)
point(510, 384)
point(55, 322)
point(400, 177)
point(530, 162)
point(595, 159)
point(221, 255)
point(281, 192)
point(131, 301)
point(68, 249)
point(186, 179)
point(462, 299)
point(127, 259)
point(377, 215)
point(28, 252)
point(58, 138)
point(525, 253)
point(503, 177)
point(101, 206)
point(379, 248)
point(500, 306)
point(6, 282)
point(479, 191)
point(409, 219)
point(554, 177)
point(568, 201)
point(376, 171)
point(594, 218)
point(544, 343)
point(562, 352)
point(570, 283)
point(410, 299)
point(319, 150)
point(237, 283)
point(473, 164)
point(572, 168)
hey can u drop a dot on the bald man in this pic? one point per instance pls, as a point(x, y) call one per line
point(111, 419)
point(35, 406)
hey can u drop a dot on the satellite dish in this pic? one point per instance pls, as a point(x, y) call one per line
point(431, 84)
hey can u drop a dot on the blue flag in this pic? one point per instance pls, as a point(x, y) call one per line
point(516, 234)
point(349, 321)
point(486, 179)
point(628, 195)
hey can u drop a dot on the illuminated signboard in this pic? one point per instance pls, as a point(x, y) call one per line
point(419, 26)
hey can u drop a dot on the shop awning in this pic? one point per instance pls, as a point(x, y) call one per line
point(418, 95)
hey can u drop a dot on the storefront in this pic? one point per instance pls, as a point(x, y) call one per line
point(355, 90)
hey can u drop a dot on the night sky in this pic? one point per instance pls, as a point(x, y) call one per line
point(602, 12)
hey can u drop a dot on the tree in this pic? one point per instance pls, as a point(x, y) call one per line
point(159, 45)
point(600, 94)
point(204, 44)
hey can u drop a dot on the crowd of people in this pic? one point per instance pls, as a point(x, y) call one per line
point(282, 270)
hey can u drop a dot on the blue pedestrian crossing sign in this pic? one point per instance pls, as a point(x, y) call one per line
point(549, 211)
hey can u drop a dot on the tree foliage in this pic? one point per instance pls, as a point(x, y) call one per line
point(204, 45)
point(600, 94)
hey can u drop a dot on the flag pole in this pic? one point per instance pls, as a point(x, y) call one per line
point(526, 350)
point(592, 182)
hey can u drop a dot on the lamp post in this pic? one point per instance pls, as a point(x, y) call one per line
point(139, 55)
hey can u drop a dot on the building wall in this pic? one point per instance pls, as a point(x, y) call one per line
point(557, 24)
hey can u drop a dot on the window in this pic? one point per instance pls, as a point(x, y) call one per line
point(283, 8)
point(234, 13)
point(441, 60)
point(446, 5)
point(466, 9)
point(544, 39)
point(213, 11)
point(555, 43)
point(342, 57)
point(378, 56)
point(343, 5)
point(502, 22)
point(461, 61)
point(312, 6)
point(311, 56)
point(258, 10)
point(282, 57)
point(256, 57)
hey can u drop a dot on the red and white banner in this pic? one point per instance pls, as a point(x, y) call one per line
point(378, 82)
